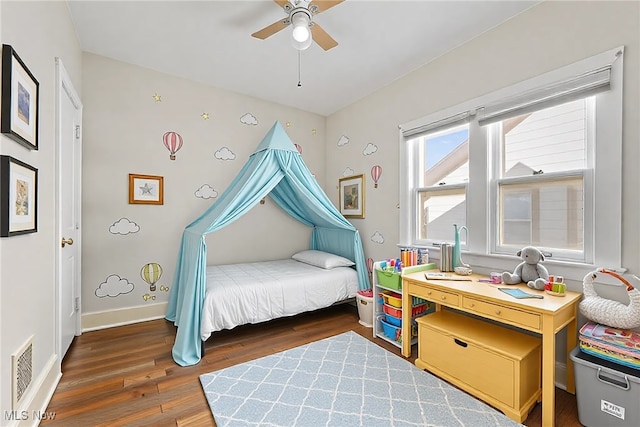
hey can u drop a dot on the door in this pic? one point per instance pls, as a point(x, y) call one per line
point(69, 151)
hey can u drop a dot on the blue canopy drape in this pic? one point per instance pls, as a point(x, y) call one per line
point(276, 169)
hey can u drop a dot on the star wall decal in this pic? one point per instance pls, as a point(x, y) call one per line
point(288, 124)
point(205, 116)
point(313, 131)
point(157, 98)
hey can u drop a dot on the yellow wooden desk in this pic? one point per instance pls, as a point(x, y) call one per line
point(544, 316)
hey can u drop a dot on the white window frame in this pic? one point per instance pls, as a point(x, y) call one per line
point(434, 130)
point(605, 249)
point(587, 256)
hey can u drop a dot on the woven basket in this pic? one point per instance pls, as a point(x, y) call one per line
point(609, 312)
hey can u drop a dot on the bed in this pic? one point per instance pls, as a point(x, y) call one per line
point(275, 169)
point(238, 294)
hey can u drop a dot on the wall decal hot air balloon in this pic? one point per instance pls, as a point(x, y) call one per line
point(376, 172)
point(173, 142)
point(151, 273)
point(299, 148)
point(370, 264)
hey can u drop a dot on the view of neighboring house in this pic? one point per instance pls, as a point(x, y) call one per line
point(551, 141)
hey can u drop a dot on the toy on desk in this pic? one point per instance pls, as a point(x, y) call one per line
point(555, 286)
point(495, 278)
point(463, 270)
point(529, 271)
point(609, 312)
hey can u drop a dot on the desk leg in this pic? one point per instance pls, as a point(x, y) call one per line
point(406, 324)
point(548, 372)
point(572, 340)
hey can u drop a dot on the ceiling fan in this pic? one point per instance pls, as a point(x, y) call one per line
point(300, 15)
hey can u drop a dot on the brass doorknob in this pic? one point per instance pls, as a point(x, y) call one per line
point(68, 241)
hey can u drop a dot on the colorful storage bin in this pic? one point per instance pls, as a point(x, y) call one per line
point(388, 309)
point(392, 298)
point(416, 310)
point(395, 332)
point(420, 309)
point(388, 279)
point(395, 321)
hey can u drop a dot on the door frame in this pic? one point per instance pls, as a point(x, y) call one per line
point(64, 85)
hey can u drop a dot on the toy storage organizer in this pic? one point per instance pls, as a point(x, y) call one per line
point(387, 294)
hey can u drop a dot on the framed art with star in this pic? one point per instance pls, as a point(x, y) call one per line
point(146, 189)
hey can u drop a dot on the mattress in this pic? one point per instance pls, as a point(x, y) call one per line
point(239, 294)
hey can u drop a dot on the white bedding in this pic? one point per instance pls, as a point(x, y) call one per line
point(238, 294)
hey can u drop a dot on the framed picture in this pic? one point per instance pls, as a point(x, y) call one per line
point(20, 96)
point(18, 197)
point(146, 189)
point(351, 196)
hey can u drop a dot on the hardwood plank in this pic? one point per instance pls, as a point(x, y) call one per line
point(155, 373)
point(100, 407)
point(74, 391)
point(201, 419)
point(134, 418)
point(126, 376)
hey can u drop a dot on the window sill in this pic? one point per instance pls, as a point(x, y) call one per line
point(485, 264)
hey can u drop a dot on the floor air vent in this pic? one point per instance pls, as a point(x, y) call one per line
point(21, 372)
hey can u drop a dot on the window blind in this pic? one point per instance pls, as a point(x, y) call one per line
point(584, 85)
point(456, 119)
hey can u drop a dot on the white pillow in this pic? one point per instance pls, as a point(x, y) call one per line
point(322, 259)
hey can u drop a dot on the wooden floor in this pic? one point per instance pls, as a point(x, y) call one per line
point(125, 376)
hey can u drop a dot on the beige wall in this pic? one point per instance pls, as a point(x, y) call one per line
point(27, 298)
point(123, 129)
point(543, 38)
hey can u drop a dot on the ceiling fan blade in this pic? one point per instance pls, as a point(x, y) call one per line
point(322, 5)
point(271, 29)
point(283, 4)
point(321, 37)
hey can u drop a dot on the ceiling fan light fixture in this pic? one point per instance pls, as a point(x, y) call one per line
point(301, 34)
point(302, 45)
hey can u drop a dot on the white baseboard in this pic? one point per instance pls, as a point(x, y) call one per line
point(33, 409)
point(561, 375)
point(126, 316)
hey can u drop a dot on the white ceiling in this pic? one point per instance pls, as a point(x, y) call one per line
point(210, 42)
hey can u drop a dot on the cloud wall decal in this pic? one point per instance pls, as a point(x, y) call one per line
point(113, 286)
point(124, 226)
point(249, 119)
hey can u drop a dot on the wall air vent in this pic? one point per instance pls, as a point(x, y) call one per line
point(21, 372)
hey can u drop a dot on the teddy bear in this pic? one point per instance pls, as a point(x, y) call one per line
point(529, 270)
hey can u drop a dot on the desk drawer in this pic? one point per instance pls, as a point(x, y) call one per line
point(437, 296)
point(502, 314)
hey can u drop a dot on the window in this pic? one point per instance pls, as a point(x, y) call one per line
point(536, 163)
point(543, 157)
point(442, 174)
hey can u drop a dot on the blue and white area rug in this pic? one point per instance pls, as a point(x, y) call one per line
point(345, 380)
